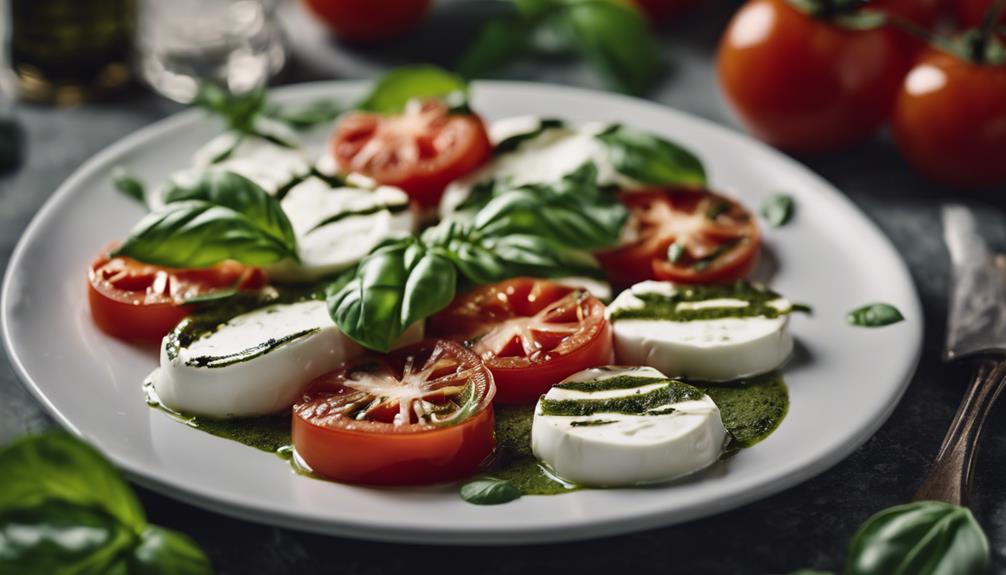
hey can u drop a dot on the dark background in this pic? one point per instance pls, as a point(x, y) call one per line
point(806, 526)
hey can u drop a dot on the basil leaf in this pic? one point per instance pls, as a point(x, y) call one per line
point(777, 210)
point(396, 285)
point(489, 491)
point(304, 117)
point(875, 315)
point(197, 234)
point(399, 86)
point(674, 252)
point(573, 212)
point(242, 195)
point(651, 160)
point(37, 469)
point(128, 185)
point(483, 259)
point(616, 39)
point(63, 537)
point(921, 538)
point(500, 41)
point(238, 110)
point(166, 552)
point(513, 142)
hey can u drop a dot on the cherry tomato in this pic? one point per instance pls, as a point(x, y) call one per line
point(663, 11)
point(419, 415)
point(531, 333)
point(716, 239)
point(925, 13)
point(950, 120)
point(971, 13)
point(806, 85)
point(137, 301)
point(421, 150)
point(369, 20)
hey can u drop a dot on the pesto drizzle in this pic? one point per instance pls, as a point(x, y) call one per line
point(616, 382)
point(663, 307)
point(637, 404)
point(213, 361)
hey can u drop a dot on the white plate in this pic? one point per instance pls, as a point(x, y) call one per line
point(843, 384)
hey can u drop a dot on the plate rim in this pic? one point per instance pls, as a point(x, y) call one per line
point(529, 534)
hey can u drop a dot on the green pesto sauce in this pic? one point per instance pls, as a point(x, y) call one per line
point(514, 461)
point(752, 408)
point(617, 382)
point(662, 307)
point(268, 432)
point(635, 404)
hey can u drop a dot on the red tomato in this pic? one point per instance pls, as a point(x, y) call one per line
point(531, 333)
point(663, 11)
point(422, 414)
point(137, 301)
point(925, 13)
point(805, 85)
point(369, 20)
point(718, 238)
point(971, 13)
point(950, 120)
point(421, 150)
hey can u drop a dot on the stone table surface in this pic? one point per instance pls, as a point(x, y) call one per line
point(805, 526)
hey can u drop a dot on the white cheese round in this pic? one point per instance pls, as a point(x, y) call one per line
point(618, 449)
point(709, 349)
point(256, 363)
point(358, 220)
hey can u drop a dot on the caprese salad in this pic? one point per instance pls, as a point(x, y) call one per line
point(530, 305)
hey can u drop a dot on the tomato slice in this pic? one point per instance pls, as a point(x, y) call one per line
point(137, 301)
point(717, 239)
point(420, 151)
point(531, 333)
point(419, 415)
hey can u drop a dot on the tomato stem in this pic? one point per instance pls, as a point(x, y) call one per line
point(979, 46)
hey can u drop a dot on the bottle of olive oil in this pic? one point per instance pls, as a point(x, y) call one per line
point(68, 51)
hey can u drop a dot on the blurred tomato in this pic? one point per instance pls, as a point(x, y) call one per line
point(663, 11)
point(970, 13)
point(950, 120)
point(806, 85)
point(369, 20)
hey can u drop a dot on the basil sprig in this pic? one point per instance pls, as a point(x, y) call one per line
point(777, 209)
point(242, 111)
point(65, 509)
point(921, 538)
point(224, 216)
point(574, 211)
point(538, 232)
point(610, 34)
point(128, 185)
point(396, 285)
point(649, 159)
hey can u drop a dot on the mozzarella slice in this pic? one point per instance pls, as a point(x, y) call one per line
point(547, 157)
point(721, 349)
point(678, 432)
point(256, 363)
point(336, 227)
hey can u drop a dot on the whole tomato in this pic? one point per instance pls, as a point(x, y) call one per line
point(369, 20)
point(806, 84)
point(971, 13)
point(950, 120)
point(663, 11)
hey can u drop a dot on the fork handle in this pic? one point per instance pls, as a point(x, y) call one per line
point(949, 478)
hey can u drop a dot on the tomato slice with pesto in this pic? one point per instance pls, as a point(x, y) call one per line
point(684, 236)
point(420, 150)
point(419, 415)
point(143, 302)
point(531, 333)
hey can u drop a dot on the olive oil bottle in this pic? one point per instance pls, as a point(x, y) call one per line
point(68, 51)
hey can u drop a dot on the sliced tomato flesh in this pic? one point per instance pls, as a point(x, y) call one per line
point(421, 150)
point(419, 415)
point(686, 236)
point(530, 333)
